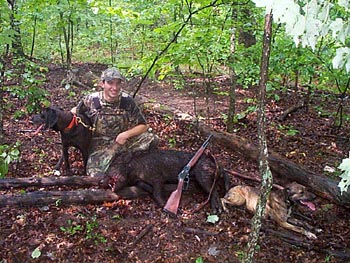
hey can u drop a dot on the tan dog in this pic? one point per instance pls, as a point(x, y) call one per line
point(278, 206)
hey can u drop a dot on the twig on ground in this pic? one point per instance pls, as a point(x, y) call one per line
point(140, 236)
point(256, 179)
point(190, 230)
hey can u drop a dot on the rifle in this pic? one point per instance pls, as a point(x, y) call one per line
point(173, 202)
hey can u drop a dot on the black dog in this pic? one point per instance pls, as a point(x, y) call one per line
point(151, 170)
point(75, 131)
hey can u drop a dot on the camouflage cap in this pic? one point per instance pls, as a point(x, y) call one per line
point(110, 74)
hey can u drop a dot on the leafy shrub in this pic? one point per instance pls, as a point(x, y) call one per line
point(7, 155)
point(72, 228)
point(31, 77)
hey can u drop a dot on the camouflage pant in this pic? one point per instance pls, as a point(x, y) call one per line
point(100, 159)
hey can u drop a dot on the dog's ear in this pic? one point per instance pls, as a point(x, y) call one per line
point(51, 118)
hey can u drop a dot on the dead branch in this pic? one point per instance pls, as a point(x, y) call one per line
point(198, 231)
point(144, 232)
point(255, 178)
point(291, 110)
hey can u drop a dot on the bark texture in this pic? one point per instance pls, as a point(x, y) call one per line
point(265, 173)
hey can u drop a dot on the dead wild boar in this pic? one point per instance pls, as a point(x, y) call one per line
point(151, 170)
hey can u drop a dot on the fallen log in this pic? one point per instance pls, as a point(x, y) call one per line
point(86, 196)
point(89, 196)
point(81, 197)
point(320, 184)
point(73, 181)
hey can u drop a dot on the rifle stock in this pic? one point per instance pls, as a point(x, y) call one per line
point(173, 202)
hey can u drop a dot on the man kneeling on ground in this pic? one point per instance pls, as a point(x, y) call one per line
point(118, 122)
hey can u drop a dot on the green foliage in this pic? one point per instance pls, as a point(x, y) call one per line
point(90, 229)
point(6, 33)
point(247, 65)
point(289, 130)
point(345, 176)
point(199, 260)
point(72, 228)
point(58, 202)
point(32, 77)
point(309, 22)
point(172, 142)
point(212, 219)
point(243, 114)
point(8, 154)
point(36, 253)
point(135, 32)
point(329, 258)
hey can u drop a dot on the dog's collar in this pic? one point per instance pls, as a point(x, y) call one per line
point(73, 122)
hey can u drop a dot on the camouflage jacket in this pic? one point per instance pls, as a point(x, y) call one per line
point(110, 119)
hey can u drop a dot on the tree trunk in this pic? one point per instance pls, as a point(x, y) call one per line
point(66, 32)
point(2, 81)
point(111, 35)
point(265, 173)
point(34, 35)
point(17, 39)
point(233, 76)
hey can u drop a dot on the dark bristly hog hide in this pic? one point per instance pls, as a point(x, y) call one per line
point(153, 169)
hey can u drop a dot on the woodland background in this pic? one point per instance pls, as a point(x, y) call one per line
point(207, 51)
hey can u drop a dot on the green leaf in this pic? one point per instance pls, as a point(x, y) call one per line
point(212, 219)
point(36, 253)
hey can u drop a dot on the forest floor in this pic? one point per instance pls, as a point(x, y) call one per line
point(110, 232)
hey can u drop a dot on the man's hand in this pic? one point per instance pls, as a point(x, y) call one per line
point(135, 131)
point(122, 138)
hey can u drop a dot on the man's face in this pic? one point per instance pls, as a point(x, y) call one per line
point(112, 89)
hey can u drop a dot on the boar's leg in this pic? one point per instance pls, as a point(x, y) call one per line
point(205, 179)
point(158, 194)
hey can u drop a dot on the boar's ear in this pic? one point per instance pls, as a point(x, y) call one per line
point(51, 118)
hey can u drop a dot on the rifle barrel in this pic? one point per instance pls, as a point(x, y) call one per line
point(199, 152)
